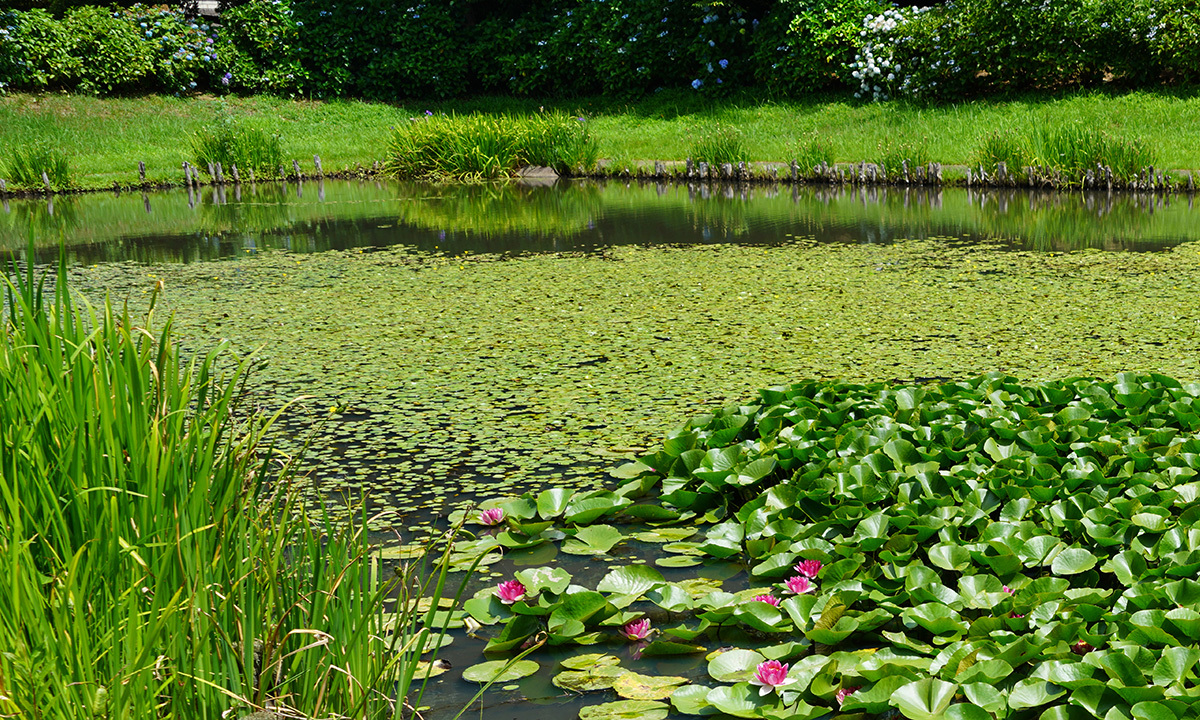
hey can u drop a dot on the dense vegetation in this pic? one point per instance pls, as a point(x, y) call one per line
point(979, 549)
point(157, 563)
point(378, 50)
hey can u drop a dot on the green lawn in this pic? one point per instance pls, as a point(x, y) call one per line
point(105, 138)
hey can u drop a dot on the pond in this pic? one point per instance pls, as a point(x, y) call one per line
point(462, 343)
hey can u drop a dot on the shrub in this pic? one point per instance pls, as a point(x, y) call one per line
point(34, 50)
point(259, 51)
point(378, 50)
point(230, 142)
point(806, 45)
point(107, 51)
point(26, 165)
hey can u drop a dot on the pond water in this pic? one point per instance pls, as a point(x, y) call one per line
point(456, 343)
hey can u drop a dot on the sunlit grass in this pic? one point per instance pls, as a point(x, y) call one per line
point(106, 138)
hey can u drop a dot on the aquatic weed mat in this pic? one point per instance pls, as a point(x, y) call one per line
point(443, 377)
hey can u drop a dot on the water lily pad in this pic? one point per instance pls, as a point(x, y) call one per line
point(626, 710)
point(500, 671)
point(635, 686)
point(595, 678)
point(590, 660)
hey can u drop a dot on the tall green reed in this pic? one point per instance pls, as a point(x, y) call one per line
point(895, 156)
point(812, 152)
point(25, 166)
point(231, 142)
point(487, 147)
point(156, 559)
point(718, 145)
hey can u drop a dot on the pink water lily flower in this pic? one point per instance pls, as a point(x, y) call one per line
point(637, 630)
point(798, 585)
point(768, 599)
point(770, 676)
point(809, 568)
point(511, 591)
point(491, 516)
point(845, 692)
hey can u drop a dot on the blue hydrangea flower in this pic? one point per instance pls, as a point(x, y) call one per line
point(697, 83)
point(723, 63)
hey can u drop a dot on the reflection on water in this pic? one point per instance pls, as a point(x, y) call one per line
point(185, 225)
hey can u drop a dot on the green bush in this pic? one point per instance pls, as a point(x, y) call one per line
point(805, 45)
point(381, 51)
point(107, 51)
point(230, 142)
point(34, 50)
point(259, 49)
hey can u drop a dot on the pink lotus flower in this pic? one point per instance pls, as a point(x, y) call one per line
point(1009, 590)
point(843, 693)
point(491, 516)
point(637, 630)
point(809, 568)
point(768, 599)
point(798, 585)
point(770, 676)
point(511, 591)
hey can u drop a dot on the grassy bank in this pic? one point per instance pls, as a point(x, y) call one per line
point(105, 139)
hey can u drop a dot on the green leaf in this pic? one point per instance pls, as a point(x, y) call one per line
point(1031, 693)
point(635, 686)
point(552, 502)
point(741, 700)
point(1073, 561)
point(500, 671)
point(964, 711)
point(925, 699)
point(691, 699)
point(630, 580)
point(593, 540)
point(734, 665)
point(538, 579)
point(626, 710)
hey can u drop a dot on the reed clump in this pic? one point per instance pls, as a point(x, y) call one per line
point(479, 147)
point(157, 562)
point(25, 166)
point(231, 142)
point(812, 153)
point(718, 145)
point(1064, 154)
point(896, 157)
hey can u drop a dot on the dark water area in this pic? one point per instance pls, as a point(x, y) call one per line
point(181, 226)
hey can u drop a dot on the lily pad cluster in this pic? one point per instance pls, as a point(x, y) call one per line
point(977, 549)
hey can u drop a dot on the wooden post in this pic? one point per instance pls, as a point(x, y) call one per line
point(187, 176)
point(296, 167)
point(234, 173)
point(703, 170)
point(317, 163)
point(142, 171)
point(212, 171)
point(4, 188)
point(46, 180)
point(659, 169)
point(690, 169)
point(251, 176)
